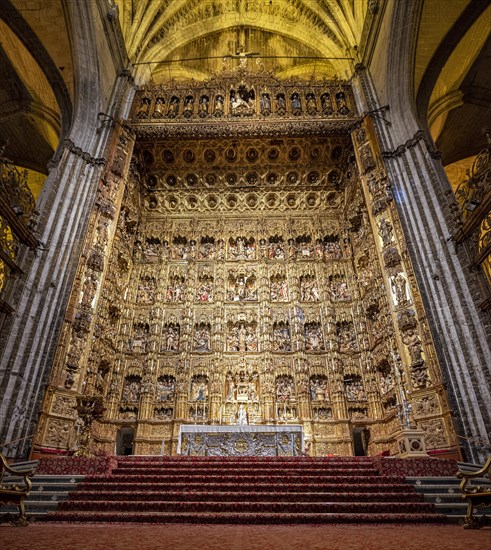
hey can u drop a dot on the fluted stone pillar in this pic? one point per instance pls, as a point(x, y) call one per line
point(29, 336)
point(449, 288)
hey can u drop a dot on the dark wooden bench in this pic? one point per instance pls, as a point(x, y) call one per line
point(477, 496)
point(15, 485)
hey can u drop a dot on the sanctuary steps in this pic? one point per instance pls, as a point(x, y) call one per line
point(245, 490)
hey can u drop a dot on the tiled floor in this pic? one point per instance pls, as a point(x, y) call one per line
point(242, 537)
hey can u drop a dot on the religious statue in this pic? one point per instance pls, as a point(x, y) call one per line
point(204, 103)
point(188, 106)
point(158, 111)
point(311, 104)
point(414, 346)
point(296, 104)
point(326, 104)
point(173, 107)
point(218, 106)
point(144, 108)
point(166, 388)
point(281, 338)
point(341, 103)
point(385, 231)
point(202, 338)
point(398, 285)
point(171, 338)
point(242, 416)
point(265, 104)
point(280, 104)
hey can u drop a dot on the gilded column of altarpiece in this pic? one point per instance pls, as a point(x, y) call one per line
point(245, 262)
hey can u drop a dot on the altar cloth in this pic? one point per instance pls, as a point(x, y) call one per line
point(244, 440)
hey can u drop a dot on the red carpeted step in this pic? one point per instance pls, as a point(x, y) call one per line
point(263, 471)
point(234, 496)
point(244, 490)
point(251, 478)
point(243, 518)
point(241, 506)
point(285, 487)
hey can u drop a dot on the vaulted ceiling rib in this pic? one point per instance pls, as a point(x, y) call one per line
point(160, 32)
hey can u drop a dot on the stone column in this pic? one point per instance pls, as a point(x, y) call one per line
point(29, 337)
point(450, 289)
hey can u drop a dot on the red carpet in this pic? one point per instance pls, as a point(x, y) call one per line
point(246, 491)
point(242, 537)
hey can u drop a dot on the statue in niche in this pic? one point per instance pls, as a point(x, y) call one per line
point(326, 104)
point(296, 104)
point(281, 337)
point(199, 388)
point(314, 341)
point(163, 414)
point(242, 416)
point(146, 289)
point(188, 106)
point(308, 289)
point(89, 290)
point(338, 289)
point(204, 290)
point(311, 104)
point(131, 389)
point(354, 388)
point(144, 108)
point(366, 157)
point(242, 387)
point(170, 336)
point(414, 346)
point(158, 111)
point(173, 107)
point(102, 237)
point(242, 337)
point(319, 249)
point(150, 251)
point(242, 101)
point(242, 287)
point(386, 382)
point(202, 338)
point(346, 336)
point(304, 247)
point(207, 249)
point(137, 344)
point(242, 248)
point(265, 104)
point(218, 111)
point(276, 248)
point(420, 378)
point(180, 249)
point(332, 248)
point(341, 103)
point(398, 286)
point(231, 393)
point(280, 104)
point(278, 289)
point(318, 388)
point(385, 231)
point(204, 106)
point(166, 387)
point(292, 249)
point(285, 390)
point(175, 290)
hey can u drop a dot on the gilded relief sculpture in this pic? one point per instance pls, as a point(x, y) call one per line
point(246, 266)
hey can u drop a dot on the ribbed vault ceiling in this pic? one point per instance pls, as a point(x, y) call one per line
point(183, 39)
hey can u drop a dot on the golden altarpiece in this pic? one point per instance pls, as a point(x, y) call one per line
point(244, 257)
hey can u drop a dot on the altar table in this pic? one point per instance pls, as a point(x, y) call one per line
point(256, 440)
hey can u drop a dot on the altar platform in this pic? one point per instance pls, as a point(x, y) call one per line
point(244, 440)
